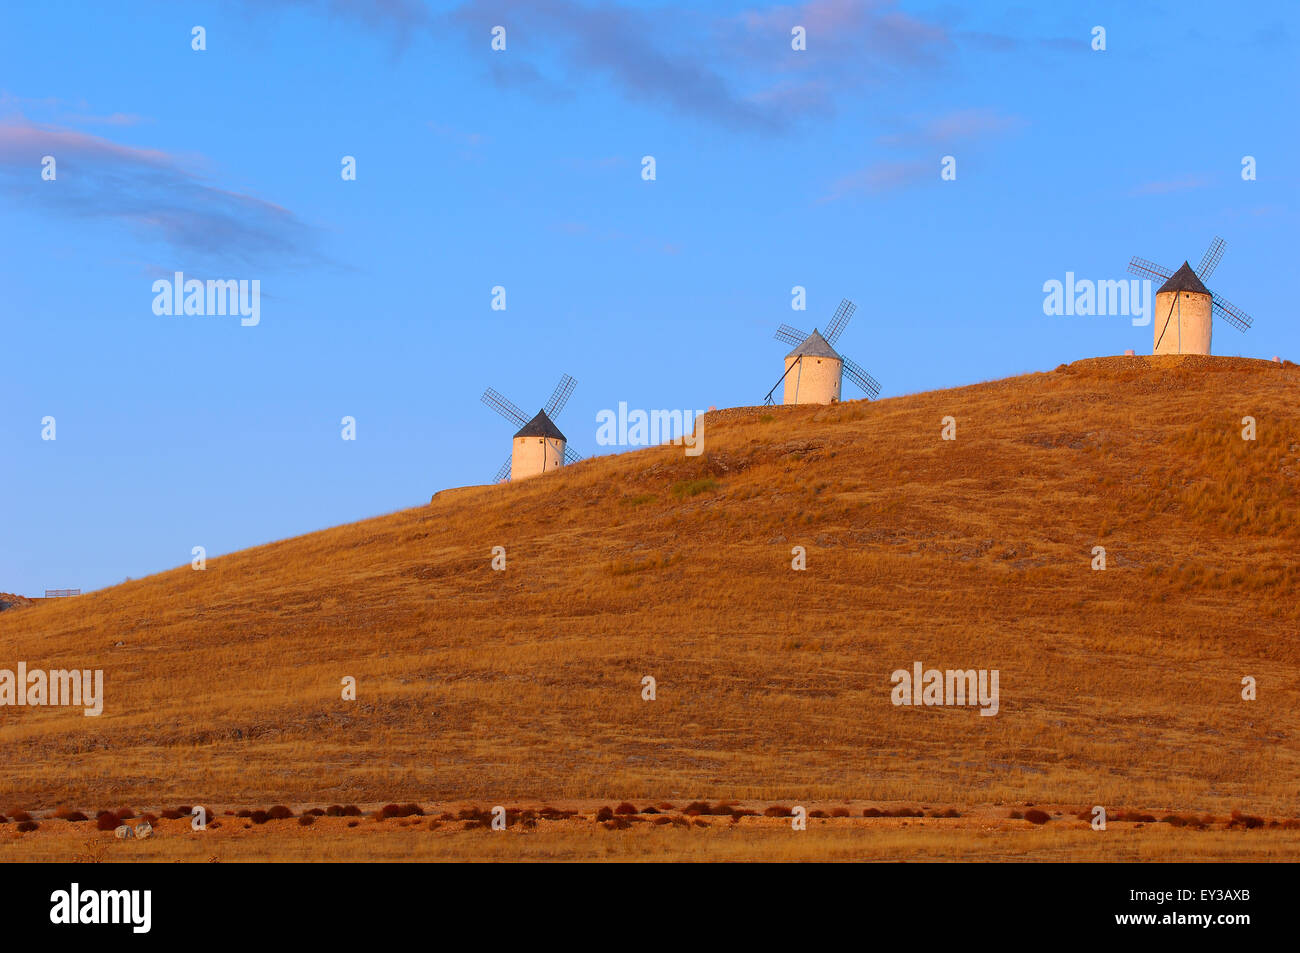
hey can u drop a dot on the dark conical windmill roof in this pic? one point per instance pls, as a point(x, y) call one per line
point(814, 345)
point(1184, 279)
point(541, 426)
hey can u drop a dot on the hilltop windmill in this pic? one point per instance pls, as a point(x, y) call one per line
point(1187, 305)
point(813, 370)
point(538, 444)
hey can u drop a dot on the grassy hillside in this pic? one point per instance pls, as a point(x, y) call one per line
point(1118, 687)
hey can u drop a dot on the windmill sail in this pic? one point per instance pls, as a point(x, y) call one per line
point(854, 372)
point(1231, 313)
point(1211, 260)
point(839, 320)
point(505, 407)
point(563, 390)
point(789, 335)
point(1149, 269)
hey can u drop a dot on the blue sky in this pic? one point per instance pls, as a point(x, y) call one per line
point(522, 168)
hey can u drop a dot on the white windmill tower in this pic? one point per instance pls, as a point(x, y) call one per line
point(538, 445)
point(1187, 305)
point(814, 369)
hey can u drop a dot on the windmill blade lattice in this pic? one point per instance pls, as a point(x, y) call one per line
point(854, 372)
point(563, 390)
point(1149, 269)
point(839, 321)
point(503, 473)
point(570, 456)
point(1211, 260)
point(1231, 313)
point(504, 406)
point(789, 335)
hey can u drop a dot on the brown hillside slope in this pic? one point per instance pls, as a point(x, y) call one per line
point(1119, 687)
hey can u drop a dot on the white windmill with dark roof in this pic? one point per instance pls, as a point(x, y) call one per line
point(1187, 306)
point(814, 370)
point(538, 445)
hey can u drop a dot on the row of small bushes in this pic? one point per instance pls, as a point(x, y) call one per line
point(615, 818)
point(730, 809)
point(280, 812)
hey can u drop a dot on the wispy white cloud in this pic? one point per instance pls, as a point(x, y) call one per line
point(946, 129)
point(1165, 186)
point(149, 190)
point(457, 136)
point(881, 176)
point(13, 106)
point(917, 150)
point(737, 70)
point(111, 119)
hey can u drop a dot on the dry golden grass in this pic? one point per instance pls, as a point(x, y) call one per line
point(1118, 688)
